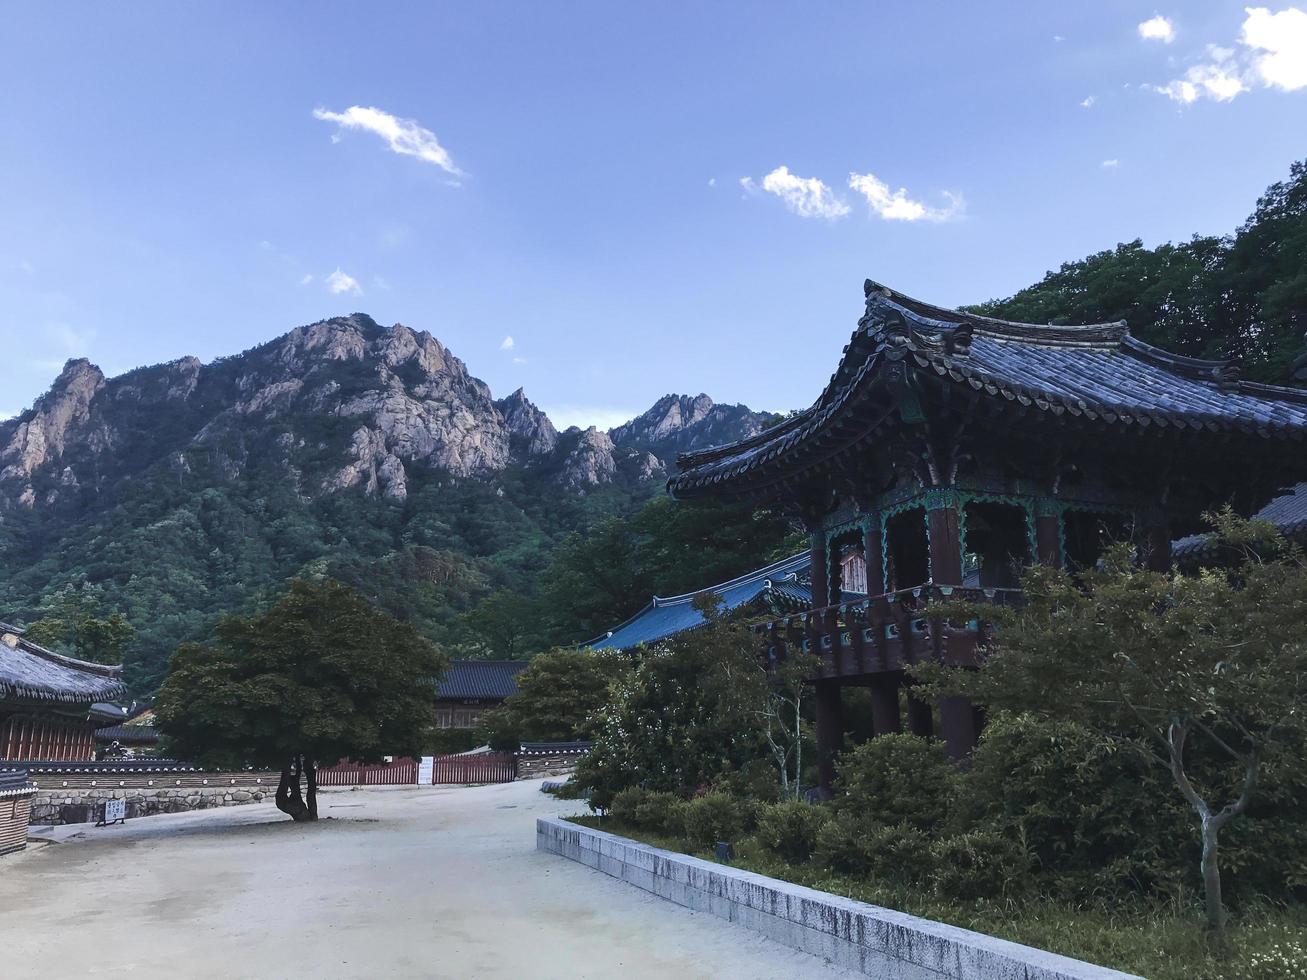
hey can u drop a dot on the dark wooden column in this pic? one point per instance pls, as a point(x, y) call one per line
point(957, 720)
point(1156, 544)
point(919, 720)
point(885, 717)
point(873, 552)
point(820, 571)
point(830, 733)
point(1048, 533)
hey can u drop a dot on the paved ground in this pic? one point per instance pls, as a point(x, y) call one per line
point(439, 882)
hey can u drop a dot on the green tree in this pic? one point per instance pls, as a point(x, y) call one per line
point(505, 624)
point(1205, 667)
point(320, 676)
point(558, 696)
point(73, 620)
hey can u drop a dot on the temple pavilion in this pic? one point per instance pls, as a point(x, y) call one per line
point(950, 449)
point(50, 704)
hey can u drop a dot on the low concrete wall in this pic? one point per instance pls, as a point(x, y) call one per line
point(876, 941)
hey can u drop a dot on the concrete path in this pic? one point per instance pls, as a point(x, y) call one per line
point(430, 882)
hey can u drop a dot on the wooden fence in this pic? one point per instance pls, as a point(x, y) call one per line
point(401, 772)
point(491, 767)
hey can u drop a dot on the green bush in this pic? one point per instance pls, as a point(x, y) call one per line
point(625, 804)
point(894, 779)
point(790, 829)
point(983, 864)
point(716, 817)
point(849, 845)
point(660, 812)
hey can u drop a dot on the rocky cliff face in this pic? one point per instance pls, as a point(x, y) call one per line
point(336, 405)
point(679, 423)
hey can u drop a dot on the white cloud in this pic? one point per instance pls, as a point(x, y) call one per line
point(1280, 44)
point(1157, 29)
point(583, 416)
point(897, 205)
point(342, 282)
point(712, 181)
point(808, 197)
point(404, 136)
point(519, 360)
point(1272, 51)
point(1110, 164)
point(1058, 37)
point(306, 279)
point(1220, 79)
point(1088, 102)
point(508, 343)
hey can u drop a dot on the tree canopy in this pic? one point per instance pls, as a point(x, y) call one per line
point(322, 675)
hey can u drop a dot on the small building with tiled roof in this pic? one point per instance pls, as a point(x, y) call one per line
point(46, 700)
point(469, 688)
point(783, 586)
point(1287, 513)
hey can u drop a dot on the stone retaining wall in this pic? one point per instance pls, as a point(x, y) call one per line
point(82, 805)
point(875, 941)
point(535, 766)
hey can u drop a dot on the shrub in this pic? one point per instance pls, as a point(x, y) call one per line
point(849, 845)
point(716, 817)
point(983, 864)
point(894, 779)
point(660, 812)
point(790, 829)
point(626, 803)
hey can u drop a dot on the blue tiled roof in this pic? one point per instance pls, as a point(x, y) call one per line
point(483, 679)
point(664, 617)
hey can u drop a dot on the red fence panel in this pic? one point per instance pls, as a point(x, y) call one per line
point(401, 772)
point(488, 767)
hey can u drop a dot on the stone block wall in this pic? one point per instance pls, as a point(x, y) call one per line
point(82, 804)
point(865, 938)
point(559, 764)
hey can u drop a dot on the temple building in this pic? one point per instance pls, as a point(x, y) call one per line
point(469, 688)
point(781, 587)
point(951, 449)
point(47, 701)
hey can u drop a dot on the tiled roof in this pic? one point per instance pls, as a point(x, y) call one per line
point(1096, 375)
point(128, 734)
point(1287, 513)
point(555, 748)
point(485, 679)
point(32, 673)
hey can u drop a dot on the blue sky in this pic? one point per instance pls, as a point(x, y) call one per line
point(645, 198)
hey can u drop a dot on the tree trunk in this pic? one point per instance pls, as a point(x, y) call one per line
point(1211, 869)
point(311, 787)
point(289, 799)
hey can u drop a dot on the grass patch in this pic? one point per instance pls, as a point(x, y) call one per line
point(1155, 941)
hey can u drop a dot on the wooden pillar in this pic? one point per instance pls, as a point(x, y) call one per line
point(944, 527)
point(957, 720)
point(1157, 545)
point(830, 733)
point(1048, 533)
point(884, 689)
point(920, 722)
point(820, 571)
point(872, 551)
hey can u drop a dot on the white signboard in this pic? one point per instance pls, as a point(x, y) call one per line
point(114, 810)
point(426, 770)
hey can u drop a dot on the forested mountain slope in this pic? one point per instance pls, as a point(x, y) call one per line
point(178, 492)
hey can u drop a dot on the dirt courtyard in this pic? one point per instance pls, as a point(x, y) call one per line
point(430, 882)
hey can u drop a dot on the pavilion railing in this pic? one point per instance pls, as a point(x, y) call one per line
point(889, 632)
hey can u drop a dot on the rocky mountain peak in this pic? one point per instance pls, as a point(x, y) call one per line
point(676, 423)
point(590, 460)
point(528, 424)
point(41, 435)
